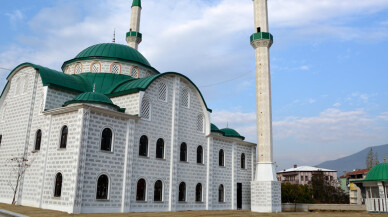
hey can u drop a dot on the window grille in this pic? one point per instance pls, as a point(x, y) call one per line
point(198, 193)
point(96, 67)
point(135, 72)
point(182, 192)
point(78, 68)
point(146, 109)
point(115, 69)
point(158, 191)
point(141, 190)
point(102, 187)
point(58, 185)
point(162, 92)
point(221, 194)
point(185, 98)
point(200, 123)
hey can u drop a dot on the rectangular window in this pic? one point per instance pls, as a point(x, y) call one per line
point(1, 137)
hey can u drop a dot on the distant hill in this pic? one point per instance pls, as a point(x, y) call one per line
point(355, 161)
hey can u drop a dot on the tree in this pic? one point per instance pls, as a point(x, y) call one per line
point(17, 167)
point(369, 159)
point(324, 192)
point(296, 193)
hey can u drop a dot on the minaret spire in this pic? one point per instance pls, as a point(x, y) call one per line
point(134, 36)
point(265, 178)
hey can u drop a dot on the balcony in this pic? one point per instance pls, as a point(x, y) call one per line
point(376, 205)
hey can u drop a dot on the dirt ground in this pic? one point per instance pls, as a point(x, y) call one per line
point(35, 212)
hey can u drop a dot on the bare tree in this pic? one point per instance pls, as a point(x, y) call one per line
point(17, 167)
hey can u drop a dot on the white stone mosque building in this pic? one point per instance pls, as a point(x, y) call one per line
point(110, 133)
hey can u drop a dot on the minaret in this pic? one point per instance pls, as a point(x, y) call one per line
point(265, 189)
point(134, 36)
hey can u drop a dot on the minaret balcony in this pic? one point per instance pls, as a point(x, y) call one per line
point(261, 39)
point(134, 36)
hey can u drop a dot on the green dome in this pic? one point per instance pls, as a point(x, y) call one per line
point(111, 51)
point(92, 97)
point(378, 173)
point(214, 128)
point(232, 133)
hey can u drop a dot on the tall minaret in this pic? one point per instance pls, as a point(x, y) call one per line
point(265, 189)
point(134, 36)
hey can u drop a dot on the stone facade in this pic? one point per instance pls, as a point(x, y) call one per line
point(28, 106)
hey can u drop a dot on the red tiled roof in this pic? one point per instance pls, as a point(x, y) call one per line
point(357, 172)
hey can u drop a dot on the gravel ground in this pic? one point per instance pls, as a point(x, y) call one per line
point(35, 212)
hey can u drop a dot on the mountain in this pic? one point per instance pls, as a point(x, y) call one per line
point(355, 161)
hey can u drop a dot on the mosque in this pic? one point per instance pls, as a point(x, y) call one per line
point(110, 133)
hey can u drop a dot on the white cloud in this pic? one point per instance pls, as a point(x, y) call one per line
point(384, 116)
point(15, 18)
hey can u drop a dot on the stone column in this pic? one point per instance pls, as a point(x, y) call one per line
point(265, 189)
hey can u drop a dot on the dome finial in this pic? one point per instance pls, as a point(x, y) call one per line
point(114, 36)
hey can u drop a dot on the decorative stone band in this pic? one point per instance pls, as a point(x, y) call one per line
point(134, 37)
point(261, 39)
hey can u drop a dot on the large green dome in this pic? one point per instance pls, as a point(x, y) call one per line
point(378, 173)
point(111, 51)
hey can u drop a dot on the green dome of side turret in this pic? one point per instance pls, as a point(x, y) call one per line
point(232, 133)
point(93, 98)
point(378, 173)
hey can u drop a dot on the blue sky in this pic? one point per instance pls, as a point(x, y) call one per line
point(328, 62)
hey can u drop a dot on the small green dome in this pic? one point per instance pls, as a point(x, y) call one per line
point(378, 173)
point(92, 97)
point(232, 133)
point(111, 51)
point(214, 128)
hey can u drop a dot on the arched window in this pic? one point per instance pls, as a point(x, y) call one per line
point(106, 140)
point(221, 158)
point(242, 161)
point(200, 155)
point(183, 155)
point(160, 148)
point(198, 192)
point(143, 146)
point(221, 194)
point(38, 140)
point(67, 71)
point(64, 133)
point(25, 86)
point(141, 190)
point(146, 109)
point(102, 187)
point(95, 67)
point(135, 72)
point(78, 68)
point(182, 192)
point(200, 123)
point(162, 92)
point(18, 86)
point(115, 68)
point(1, 137)
point(158, 191)
point(185, 98)
point(58, 185)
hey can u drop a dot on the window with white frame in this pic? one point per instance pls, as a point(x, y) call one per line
point(162, 92)
point(200, 123)
point(135, 72)
point(96, 67)
point(185, 97)
point(115, 68)
point(146, 109)
point(78, 68)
